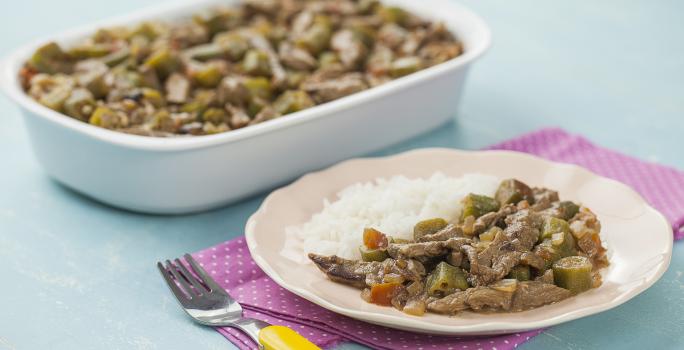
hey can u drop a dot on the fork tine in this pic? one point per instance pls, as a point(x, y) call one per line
point(203, 275)
point(182, 298)
point(181, 279)
point(191, 278)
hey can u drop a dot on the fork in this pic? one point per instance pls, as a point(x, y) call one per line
point(209, 304)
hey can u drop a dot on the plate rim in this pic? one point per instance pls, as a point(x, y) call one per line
point(477, 328)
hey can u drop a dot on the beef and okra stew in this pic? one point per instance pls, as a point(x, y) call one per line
point(521, 249)
point(233, 67)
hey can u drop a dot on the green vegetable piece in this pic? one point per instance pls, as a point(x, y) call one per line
point(568, 209)
point(209, 128)
point(80, 104)
point(553, 225)
point(520, 273)
point(89, 51)
point(428, 227)
point(133, 78)
point(512, 191)
point(232, 45)
point(145, 29)
point(164, 62)
point(106, 118)
point(219, 21)
point(327, 59)
point(490, 234)
point(162, 121)
point(317, 37)
point(394, 14)
point(205, 52)
point(193, 107)
point(203, 99)
point(477, 205)
point(446, 279)
point(139, 47)
point(292, 101)
point(214, 115)
point(208, 76)
point(56, 97)
point(573, 273)
point(295, 79)
point(256, 62)
point(106, 35)
point(368, 254)
point(153, 96)
point(365, 33)
point(258, 87)
point(564, 242)
point(51, 59)
point(117, 57)
point(255, 106)
point(405, 65)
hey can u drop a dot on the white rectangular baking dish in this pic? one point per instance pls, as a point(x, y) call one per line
point(181, 175)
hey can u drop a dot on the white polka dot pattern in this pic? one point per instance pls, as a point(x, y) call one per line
point(232, 267)
point(264, 299)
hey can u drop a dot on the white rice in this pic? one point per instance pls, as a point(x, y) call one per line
point(392, 206)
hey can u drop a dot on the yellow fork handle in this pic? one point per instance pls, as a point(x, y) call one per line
point(284, 338)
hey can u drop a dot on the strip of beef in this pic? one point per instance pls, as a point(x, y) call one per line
point(362, 274)
point(532, 260)
point(426, 249)
point(523, 229)
point(351, 272)
point(543, 198)
point(332, 89)
point(258, 41)
point(449, 231)
point(531, 294)
point(477, 298)
point(527, 295)
point(349, 48)
point(397, 270)
point(491, 219)
point(505, 250)
point(481, 275)
point(296, 58)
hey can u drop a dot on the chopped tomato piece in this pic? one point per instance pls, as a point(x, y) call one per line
point(374, 239)
point(383, 293)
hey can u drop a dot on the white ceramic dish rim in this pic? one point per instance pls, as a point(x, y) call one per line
point(12, 64)
point(488, 327)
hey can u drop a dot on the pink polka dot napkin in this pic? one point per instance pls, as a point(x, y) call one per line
point(233, 268)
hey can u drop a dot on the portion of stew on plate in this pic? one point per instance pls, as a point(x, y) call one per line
point(523, 248)
point(229, 68)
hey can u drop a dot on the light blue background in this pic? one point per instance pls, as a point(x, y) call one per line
point(79, 275)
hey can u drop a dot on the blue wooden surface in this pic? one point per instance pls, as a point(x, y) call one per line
point(80, 275)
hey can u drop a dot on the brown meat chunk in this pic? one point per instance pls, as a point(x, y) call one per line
point(351, 272)
point(350, 49)
point(177, 88)
point(449, 231)
point(543, 198)
point(296, 58)
point(332, 89)
point(477, 298)
point(426, 249)
point(531, 294)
